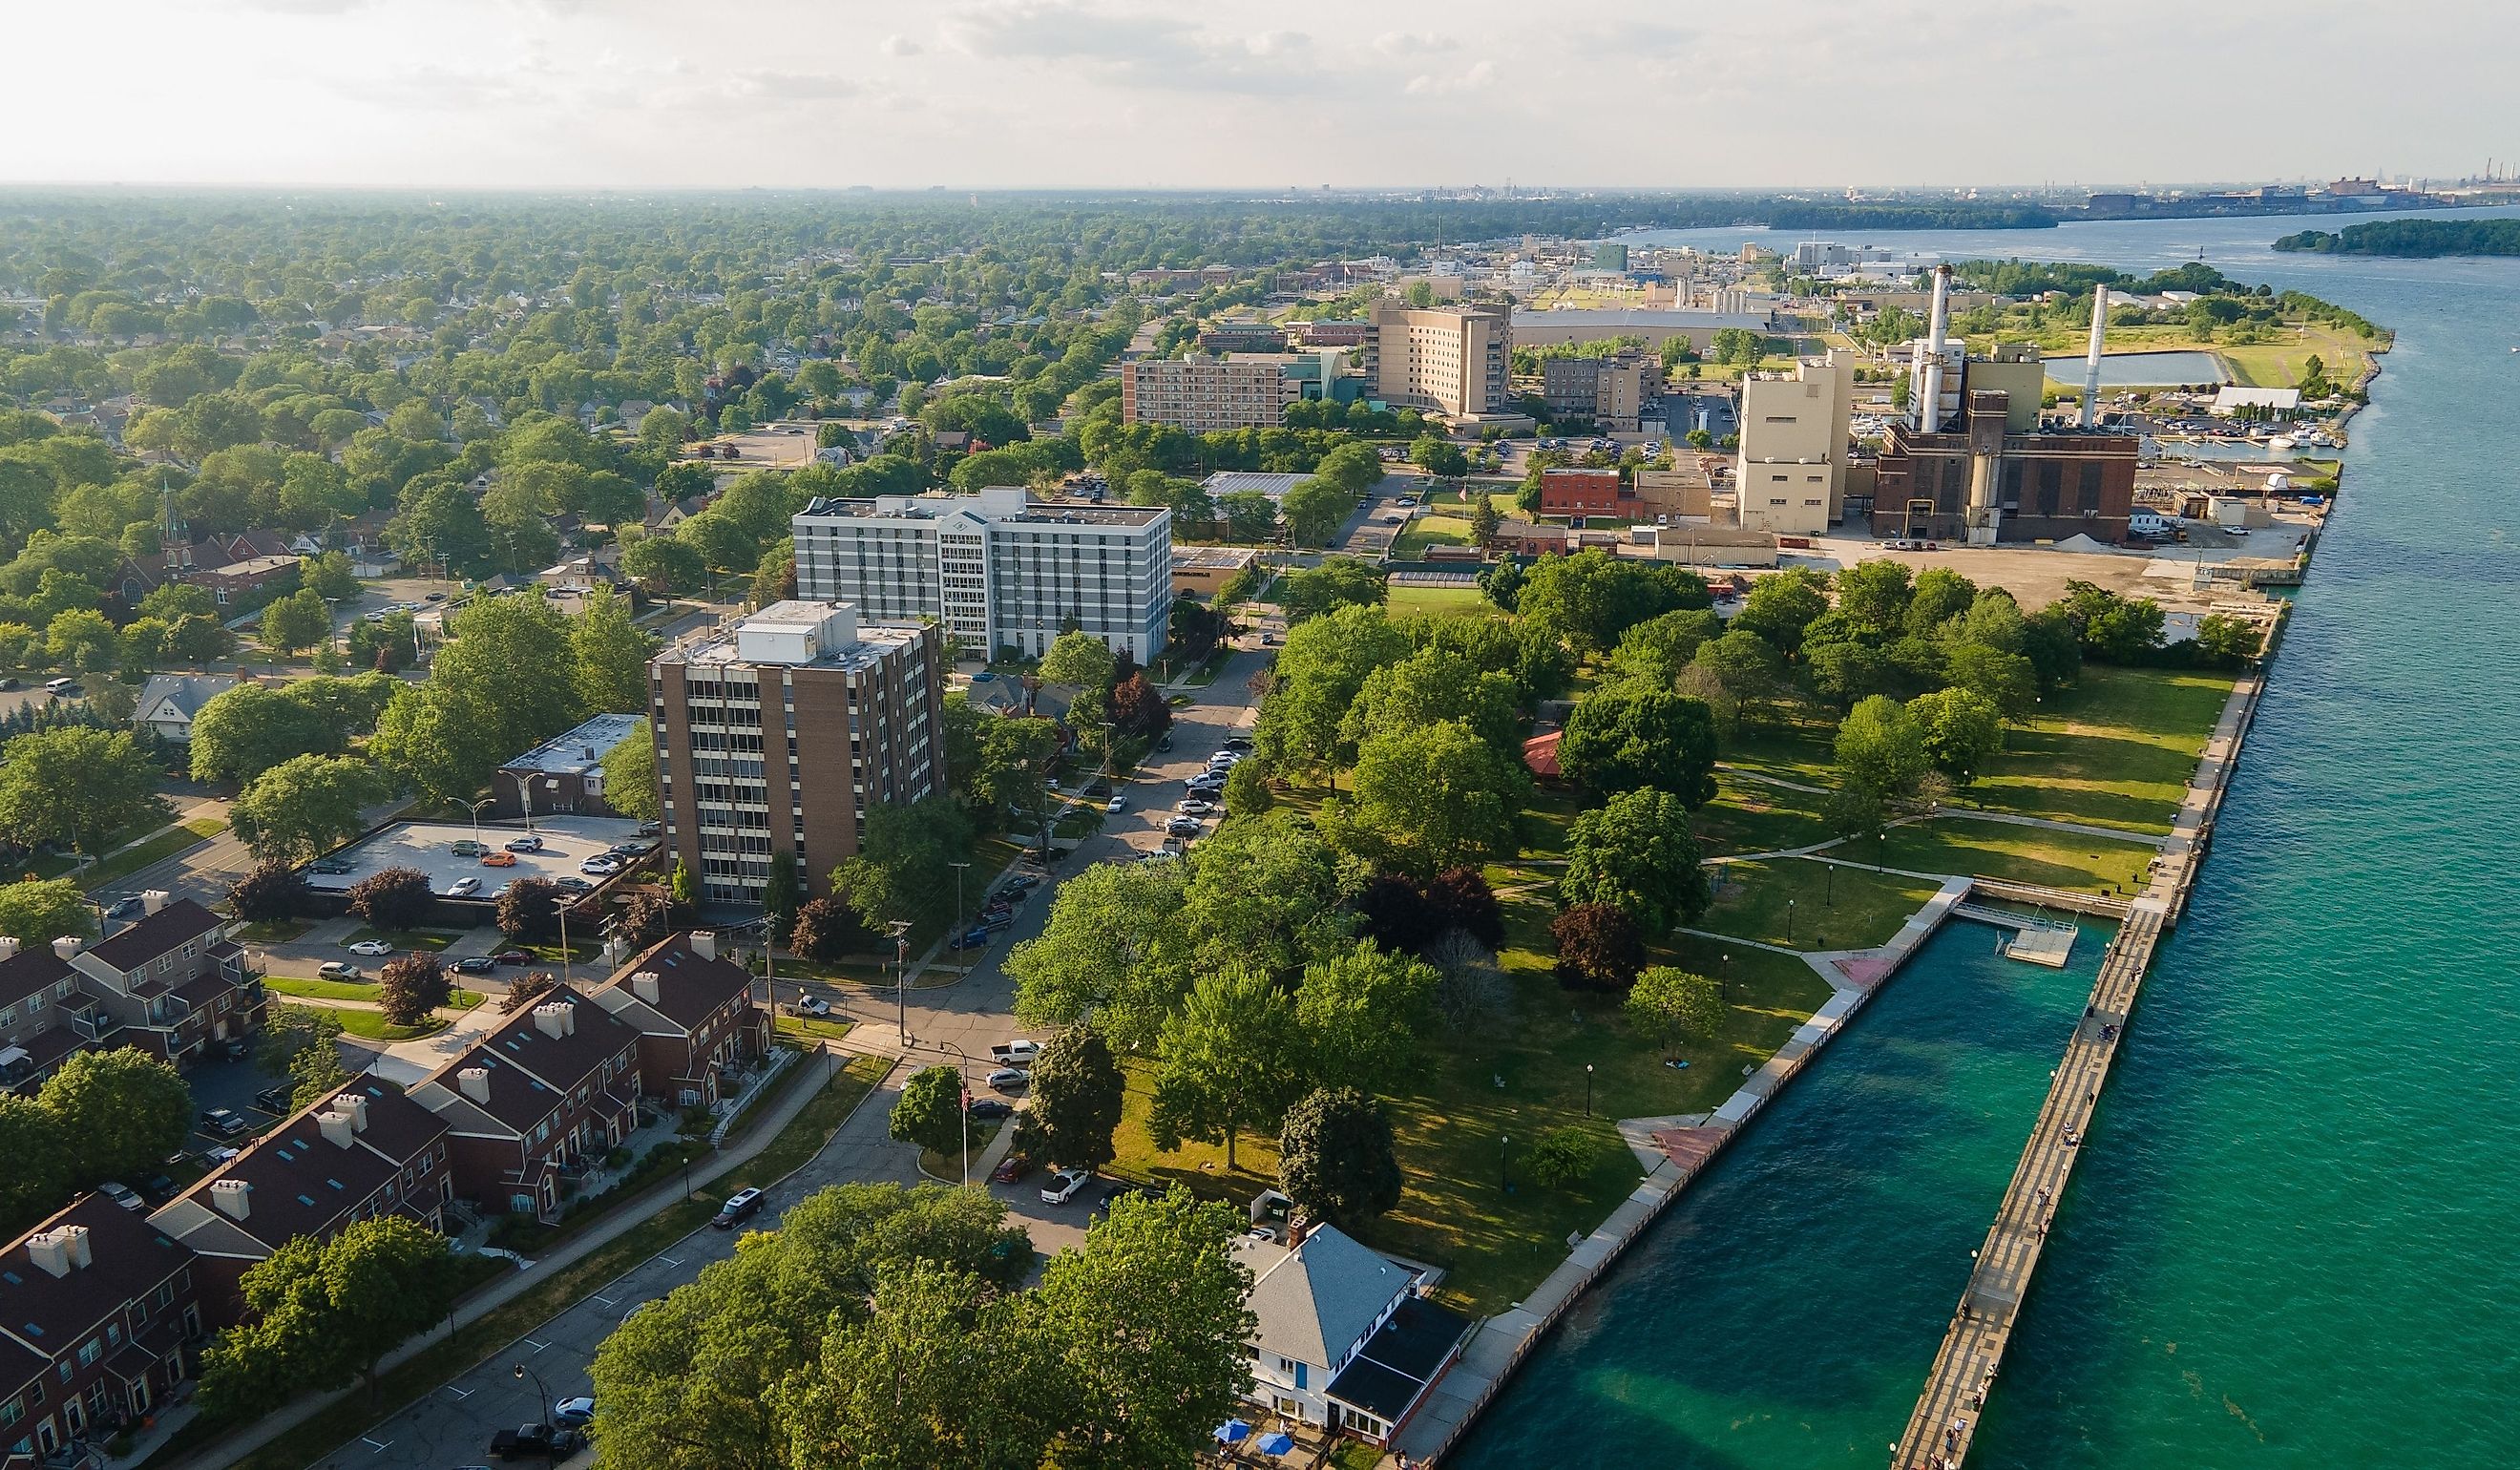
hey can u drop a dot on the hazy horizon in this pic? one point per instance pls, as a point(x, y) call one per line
point(1096, 96)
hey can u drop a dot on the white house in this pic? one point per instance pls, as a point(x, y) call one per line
point(169, 701)
point(1344, 1340)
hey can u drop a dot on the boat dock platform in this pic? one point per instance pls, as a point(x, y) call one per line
point(1948, 1412)
point(2038, 941)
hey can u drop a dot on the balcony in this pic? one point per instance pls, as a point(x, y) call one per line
point(93, 1025)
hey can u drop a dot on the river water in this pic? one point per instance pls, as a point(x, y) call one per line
point(2295, 1240)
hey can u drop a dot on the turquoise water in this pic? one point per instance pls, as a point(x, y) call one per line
point(2293, 1241)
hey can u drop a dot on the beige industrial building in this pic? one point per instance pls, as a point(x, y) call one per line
point(1451, 360)
point(1790, 471)
point(1202, 393)
point(1611, 391)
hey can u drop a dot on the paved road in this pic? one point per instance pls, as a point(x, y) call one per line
point(453, 1425)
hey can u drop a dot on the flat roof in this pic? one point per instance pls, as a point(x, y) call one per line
point(876, 642)
point(938, 507)
point(428, 846)
point(580, 750)
point(1273, 486)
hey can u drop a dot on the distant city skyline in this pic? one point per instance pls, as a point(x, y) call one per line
point(1093, 94)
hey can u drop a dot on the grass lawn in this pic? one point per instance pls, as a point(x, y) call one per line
point(1848, 910)
point(149, 851)
point(578, 951)
point(1951, 843)
point(802, 1137)
point(2116, 750)
point(1430, 530)
point(432, 940)
point(342, 990)
point(372, 1025)
point(2278, 363)
point(278, 931)
point(1441, 601)
point(811, 1029)
point(1795, 749)
point(1754, 816)
point(948, 1165)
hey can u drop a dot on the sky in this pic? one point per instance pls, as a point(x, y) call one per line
point(1121, 93)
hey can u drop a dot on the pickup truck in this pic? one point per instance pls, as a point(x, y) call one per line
point(1018, 1054)
point(536, 1442)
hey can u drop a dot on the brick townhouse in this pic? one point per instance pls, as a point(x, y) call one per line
point(98, 1326)
point(361, 1153)
point(169, 984)
point(536, 1102)
point(695, 1014)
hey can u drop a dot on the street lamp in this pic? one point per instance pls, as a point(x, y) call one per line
point(899, 929)
point(957, 891)
point(1831, 890)
point(1588, 1090)
point(522, 1373)
point(477, 806)
point(1789, 921)
point(963, 1077)
point(1504, 1181)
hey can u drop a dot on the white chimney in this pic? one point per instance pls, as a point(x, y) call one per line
point(643, 985)
point(1929, 413)
point(475, 1083)
point(60, 1251)
point(337, 1126)
point(556, 1018)
point(153, 900)
point(65, 946)
point(230, 1197)
point(8, 946)
point(356, 1105)
point(2092, 363)
point(704, 942)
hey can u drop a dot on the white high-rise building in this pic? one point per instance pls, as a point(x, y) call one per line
point(998, 569)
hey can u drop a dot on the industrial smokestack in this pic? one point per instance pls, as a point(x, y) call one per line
point(2092, 363)
point(1930, 412)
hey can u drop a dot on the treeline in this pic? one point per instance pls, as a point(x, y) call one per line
point(2417, 238)
point(2226, 301)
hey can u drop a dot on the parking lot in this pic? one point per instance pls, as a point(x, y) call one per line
point(429, 846)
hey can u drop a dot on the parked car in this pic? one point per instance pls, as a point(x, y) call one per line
point(651, 828)
point(498, 860)
point(370, 946)
point(468, 848)
point(464, 887)
point(573, 883)
point(1196, 806)
point(811, 1006)
point(1116, 804)
point(1021, 1052)
point(1012, 1167)
point(224, 1122)
point(333, 867)
point(1063, 1186)
point(1263, 1232)
point(158, 1188)
point(274, 1099)
point(573, 1414)
point(121, 1195)
point(476, 964)
point(526, 844)
point(1206, 785)
point(1008, 1079)
point(992, 1108)
point(512, 956)
point(542, 1441)
point(975, 938)
point(1183, 827)
point(336, 970)
point(739, 1206)
point(1237, 742)
point(601, 866)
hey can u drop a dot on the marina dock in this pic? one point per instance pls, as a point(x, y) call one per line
point(1945, 1422)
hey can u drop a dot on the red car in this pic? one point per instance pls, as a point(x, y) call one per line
point(512, 956)
point(1015, 1167)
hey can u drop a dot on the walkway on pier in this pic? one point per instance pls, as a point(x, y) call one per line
point(1945, 1422)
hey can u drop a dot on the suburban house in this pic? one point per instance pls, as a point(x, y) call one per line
point(169, 701)
point(1344, 1340)
point(694, 1013)
point(170, 983)
point(364, 1152)
point(534, 1104)
point(98, 1327)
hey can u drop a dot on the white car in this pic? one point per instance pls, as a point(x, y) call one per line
point(371, 947)
point(1017, 1052)
point(1063, 1186)
point(812, 1005)
point(1196, 806)
point(463, 886)
point(600, 867)
point(573, 1414)
point(1115, 804)
point(1010, 1079)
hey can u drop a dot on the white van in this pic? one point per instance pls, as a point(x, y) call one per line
point(59, 685)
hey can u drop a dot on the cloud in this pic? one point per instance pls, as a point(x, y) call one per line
point(304, 6)
point(790, 86)
point(901, 46)
point(1477, 77)
point(1147, 51)
point(1413, 43)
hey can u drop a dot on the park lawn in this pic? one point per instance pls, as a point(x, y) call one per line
point(1801, 904)
point(372, 1025)
point(1429, 530)
point(342, 990)
point(1754, 816)
point(149, 851)
point(1952, 843)
point(1511, 1081)
point(811, 1029)
point(2118, 749)
point(276, 931)
point(432, 940)
point(2280, 364)
point(1441, 601)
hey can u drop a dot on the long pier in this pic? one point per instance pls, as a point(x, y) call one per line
point(1947, 1415)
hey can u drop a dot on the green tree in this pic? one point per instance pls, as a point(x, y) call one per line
point(1114, 950)
point(1079, 660)
point(413, 987)
point(1591, 598)
point(121, 1111)
point(1439, 457)
point(247, 729)
point(1434, 685)
point(1940, 595)
point(300, 1044)
point(1631, 734)
point(35, 912)
point(76, 784)
point(1077, 1094)
point(610, 655)
point(1560, 1156)
point(1672, 1006)
point(38, 1179)
point(1314, 511)
point(630, 778)
point(1359, 1012)
point(1227, 1062)
point(300, 620)
point(1634, 853)
point(1435, 796)
point(929, 1110)
point(1961, 729)
point(1336, 1159)
point(1782, 604)
point(1337, 582)
point(1874, 594)
point(328, 576)
point(306, 805)
point(394, 899)
point(322, 1314)
point(1882, 748)
point(80, 640)
point(903, 869)
point(1743, 663)
point(1319, 674)
point(663, 566)
point(2226, 640)
point(491, 693)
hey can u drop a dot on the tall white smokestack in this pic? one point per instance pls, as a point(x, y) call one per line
point(1938, 324)
point(2092, 363)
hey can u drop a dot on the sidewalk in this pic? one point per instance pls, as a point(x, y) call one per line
point(618, 1222)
